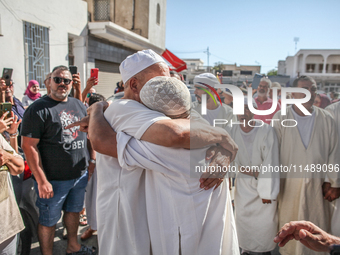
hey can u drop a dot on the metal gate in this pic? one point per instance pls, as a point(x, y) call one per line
point(37, 52)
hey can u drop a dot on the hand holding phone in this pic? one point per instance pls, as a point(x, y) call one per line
point(94, 72)
point(73, 69)
point(256, 81)
point(7, 75)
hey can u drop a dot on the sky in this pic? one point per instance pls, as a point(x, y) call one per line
point(250, 32)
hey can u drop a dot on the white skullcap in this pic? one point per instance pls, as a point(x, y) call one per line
point(276, 85)
point(253, 100)
point(206, 78)
point(137, 62)
point(167, 95)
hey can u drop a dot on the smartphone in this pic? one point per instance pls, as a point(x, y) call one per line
point(7, 75)
point(94, 72)
point(73, 69)
point(256, 81)
point(335, 250)
point(5, 107)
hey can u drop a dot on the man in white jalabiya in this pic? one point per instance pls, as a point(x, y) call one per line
point(308, 146)
point(256, 189)
point(183, 218)
point(203, 84)
point(334, 109)
point(121, 202)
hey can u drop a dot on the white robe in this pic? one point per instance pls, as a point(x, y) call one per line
point(256, 223)
point(121, 206)
point(181, 215)
point(300, 195)
point(334, 109)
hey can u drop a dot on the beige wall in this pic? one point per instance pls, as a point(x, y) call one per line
point(142, 18)
point(124, 13)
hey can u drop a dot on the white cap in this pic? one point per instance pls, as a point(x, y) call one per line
point(206, 78)
point(253, 100)
point(167, 95)
point(137, 62)
point(276, 85)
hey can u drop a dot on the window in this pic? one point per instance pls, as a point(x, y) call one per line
point(246, 73)
point(101, 10)
point(37, 52)
point(336, 68)
point(321, 68)
point(70, 52)
point(158, 16)
point(331, 86)
point(310, 68)
point(227, 73)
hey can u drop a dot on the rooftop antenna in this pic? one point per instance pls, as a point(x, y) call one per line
point(296, 39)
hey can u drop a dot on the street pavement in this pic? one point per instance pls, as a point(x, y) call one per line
point(60, 244)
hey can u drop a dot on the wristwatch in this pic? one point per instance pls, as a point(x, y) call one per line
point(92, 161)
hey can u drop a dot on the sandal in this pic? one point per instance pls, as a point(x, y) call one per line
point(84, 250)
point(87, 234)
point(82, 220)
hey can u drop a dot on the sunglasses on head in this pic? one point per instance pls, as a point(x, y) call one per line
point(58, 80)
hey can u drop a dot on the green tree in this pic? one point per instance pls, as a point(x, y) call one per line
point(218, 66)
point(272, 72)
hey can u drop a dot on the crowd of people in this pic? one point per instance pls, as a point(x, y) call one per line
point(137, 159)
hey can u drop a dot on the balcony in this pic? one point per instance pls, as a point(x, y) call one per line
point(117, 34)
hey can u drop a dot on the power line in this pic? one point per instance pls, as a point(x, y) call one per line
point(10, 10)
point(222, 58)
point(188, 52)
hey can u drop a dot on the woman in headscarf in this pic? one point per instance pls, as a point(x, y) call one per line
point(31, 94)
point(322, 101)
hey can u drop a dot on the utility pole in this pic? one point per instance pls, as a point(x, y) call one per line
point(296, 40)
point(208, 54)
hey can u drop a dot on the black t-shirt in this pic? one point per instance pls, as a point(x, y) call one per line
point(63, 151)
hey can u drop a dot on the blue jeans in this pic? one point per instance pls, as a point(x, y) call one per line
point(68, 196)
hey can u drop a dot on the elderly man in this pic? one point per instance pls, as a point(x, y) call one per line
point(125, 190)
point(58, 160)
point(256, 187)
point(334, 109)
point(17, 106)
point(205, 84)
point(264, 102)
point(309, 145)
point(182, 218)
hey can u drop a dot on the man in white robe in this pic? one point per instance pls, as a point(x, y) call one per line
point(256, 188)
point(312, 143)
point(334, 109)
point(121, 205)
point(205, 85)
point(183, 218)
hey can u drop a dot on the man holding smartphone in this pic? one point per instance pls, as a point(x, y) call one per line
point(17, 106)
point(58, 160)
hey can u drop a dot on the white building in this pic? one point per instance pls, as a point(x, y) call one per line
point(322, 65)
point(195, 66)
point(238, 75)
point(35, 37)
point(119, 28)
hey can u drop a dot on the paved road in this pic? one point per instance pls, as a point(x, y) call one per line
point(60, 244)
